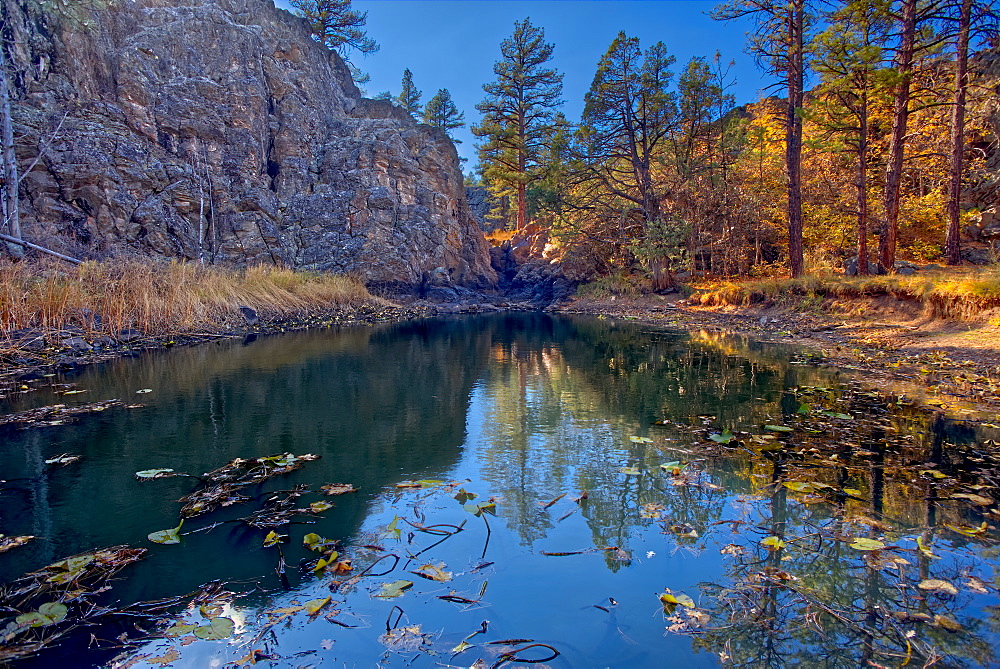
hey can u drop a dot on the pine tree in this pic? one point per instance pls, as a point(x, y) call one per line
point(518, 115)
point(336, 26)
point(441, 112)
point(627, 117)
point(409, 96)
point(850, 60)
point(778, 41)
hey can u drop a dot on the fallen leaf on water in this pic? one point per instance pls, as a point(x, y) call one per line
point(937, 585)
point(968, 530)
point(671, 600)
point(63, 459)
point(318, 507)
point(6, 543)
point(773, 543)
point(155, 473)
point(640, 440)
point(337, 488)
point(273, 538)
point(630, 471)
point(434, 572)
point(314, 606)
point(394, 589)
point(143, 391)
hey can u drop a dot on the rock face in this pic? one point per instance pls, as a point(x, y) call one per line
point(219, 130)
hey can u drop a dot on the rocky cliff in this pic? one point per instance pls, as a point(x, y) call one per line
point(219, 130)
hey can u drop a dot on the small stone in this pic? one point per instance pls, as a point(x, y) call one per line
point(250, 315)
point(77, 344)
point(129, 335)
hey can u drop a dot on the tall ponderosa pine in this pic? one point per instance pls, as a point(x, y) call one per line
point(441, 112)
point(518, 115)
point(850, 60)
point(627, 117)
point(335, 25)
point(409, 96)
point(778, 43)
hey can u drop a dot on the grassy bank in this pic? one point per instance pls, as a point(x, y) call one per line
point(951, 294)
point(161, 298)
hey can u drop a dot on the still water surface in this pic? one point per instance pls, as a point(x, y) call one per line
point(520, 409)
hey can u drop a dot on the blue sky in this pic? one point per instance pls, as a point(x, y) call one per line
point(453, 44)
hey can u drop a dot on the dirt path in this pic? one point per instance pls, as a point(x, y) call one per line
point(888, 342)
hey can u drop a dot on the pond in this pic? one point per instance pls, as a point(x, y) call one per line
point(521, 487)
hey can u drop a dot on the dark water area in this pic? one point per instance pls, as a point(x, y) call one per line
point(630, 468)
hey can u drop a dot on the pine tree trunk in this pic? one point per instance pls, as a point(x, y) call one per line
point(862, 194)
point(953, 248)
point(793, 138)
point(11, 209)
point(897, 141)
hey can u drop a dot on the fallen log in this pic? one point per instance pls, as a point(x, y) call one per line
point(15, 240)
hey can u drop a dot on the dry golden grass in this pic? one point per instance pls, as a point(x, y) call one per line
point(158, 297)
point(955, 294)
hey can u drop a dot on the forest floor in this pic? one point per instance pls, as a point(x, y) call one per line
point(888, 342)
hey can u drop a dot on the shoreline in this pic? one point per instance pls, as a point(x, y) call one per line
point(921, 356)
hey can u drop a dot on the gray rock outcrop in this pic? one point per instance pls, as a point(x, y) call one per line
point(219, 130)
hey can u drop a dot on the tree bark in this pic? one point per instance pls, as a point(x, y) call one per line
point(862, 193)
point(897, 141)
point(793, 136)
point(953, 247)
point(11, 208)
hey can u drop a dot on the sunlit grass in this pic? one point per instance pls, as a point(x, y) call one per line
point(160, 297)
point(957, 294)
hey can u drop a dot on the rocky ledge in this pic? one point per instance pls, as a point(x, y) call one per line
point(218, 130)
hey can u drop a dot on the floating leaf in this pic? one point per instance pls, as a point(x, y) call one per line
point(773, 543)
point(314, 606)
point(670, 601)
point(854, 492)
point(155, 473)
point(216, 629)
point(865, 544)
point(6, 543)
point(394, 589)
point(49, 613)
point(934, 473)
point(630, 471)
point(937, 585)
point(481, 508)
point(392, 529)
point(179, 629)
point(143, 391)
point(777, 428)
point(925, 550)
point(968, 530)
point(723, 437)
point(841, 416)
point(640, 440)
point(803, 409)
point(464, 496)
point(799, 486)
point(170, 536)
point(337, 488)
point(273, 539)
point(319, 507)
point(63, 459)
point(434, 572)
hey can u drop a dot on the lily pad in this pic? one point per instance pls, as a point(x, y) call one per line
point(723, 437)
point(671, 600)
point(47, 614)
point(866, 544)
point(170, 536)
point(778, 428)
point(216, 629)
point(155, 473)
